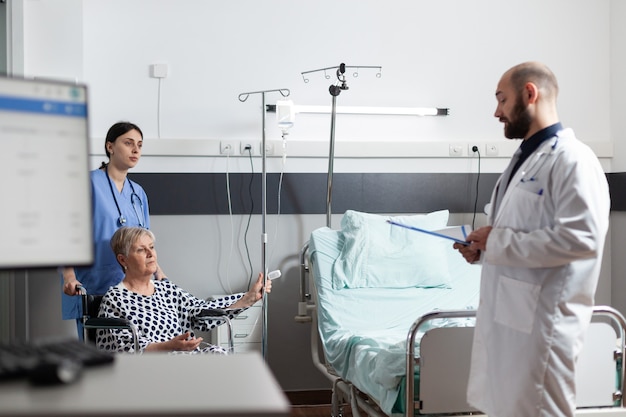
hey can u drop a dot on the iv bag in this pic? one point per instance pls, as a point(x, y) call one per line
point(285, 114)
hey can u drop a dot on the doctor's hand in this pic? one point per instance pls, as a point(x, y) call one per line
point(470, 255)
point(478, 239)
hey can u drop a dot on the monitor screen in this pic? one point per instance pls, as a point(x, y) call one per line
point(45, 208)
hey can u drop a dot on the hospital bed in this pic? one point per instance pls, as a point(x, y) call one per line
point(392, 315)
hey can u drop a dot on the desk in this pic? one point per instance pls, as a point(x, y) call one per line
point(156, 385)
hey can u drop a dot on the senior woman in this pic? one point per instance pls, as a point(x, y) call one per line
point(164, 315)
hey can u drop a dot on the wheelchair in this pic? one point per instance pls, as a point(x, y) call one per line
point(91, 321)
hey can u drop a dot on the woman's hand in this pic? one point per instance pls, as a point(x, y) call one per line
point(184, 342)
point(159, 274)
point(254, 294)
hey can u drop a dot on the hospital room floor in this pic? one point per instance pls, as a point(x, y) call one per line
point(316, 411)
point(313, 404)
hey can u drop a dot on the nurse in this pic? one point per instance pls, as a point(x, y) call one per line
point(540, 254)
point(117, 201)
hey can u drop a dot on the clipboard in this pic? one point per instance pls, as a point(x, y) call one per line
point(429, 232)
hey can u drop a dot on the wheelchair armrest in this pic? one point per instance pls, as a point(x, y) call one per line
point(107, 322)
point(213, 312)
point(220, 314)
point(113, 323)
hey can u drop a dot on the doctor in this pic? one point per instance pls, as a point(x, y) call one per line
point(541, 257)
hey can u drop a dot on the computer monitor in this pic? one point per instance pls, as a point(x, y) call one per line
point(45, 191)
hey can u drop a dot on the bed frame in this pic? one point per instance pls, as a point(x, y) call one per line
point(444, 358)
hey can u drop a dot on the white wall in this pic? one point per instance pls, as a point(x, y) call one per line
point(445, 54)
point(618, 84)
point(618, 132)
point(3, 40)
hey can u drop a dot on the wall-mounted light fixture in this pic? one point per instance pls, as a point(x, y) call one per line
point(392, 111)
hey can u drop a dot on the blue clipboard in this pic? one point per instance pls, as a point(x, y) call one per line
point(428, 232)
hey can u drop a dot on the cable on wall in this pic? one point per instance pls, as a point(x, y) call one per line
point(159, 71)
point(227, 288)
point(159, 110)
point(280, 186)
point(245, 235)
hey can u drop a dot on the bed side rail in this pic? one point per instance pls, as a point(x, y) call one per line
point(410, 349)
point(304, 305)
point(620, 326)
point(617, 319)
point(307, 313)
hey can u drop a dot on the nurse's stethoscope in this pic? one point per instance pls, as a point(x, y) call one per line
point(540, 161)
point(134, 199)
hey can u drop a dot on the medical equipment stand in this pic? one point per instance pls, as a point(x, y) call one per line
point(335, 90)
point(243, 97)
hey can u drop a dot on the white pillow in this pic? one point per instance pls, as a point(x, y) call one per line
point(377, 254)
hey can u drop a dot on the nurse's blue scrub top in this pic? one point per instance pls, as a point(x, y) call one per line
point(105, 271)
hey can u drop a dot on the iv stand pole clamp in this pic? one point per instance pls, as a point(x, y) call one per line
point(243, 97)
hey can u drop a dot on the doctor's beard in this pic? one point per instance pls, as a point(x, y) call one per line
point(519, 122)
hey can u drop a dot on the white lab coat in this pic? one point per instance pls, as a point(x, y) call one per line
point(539, 276)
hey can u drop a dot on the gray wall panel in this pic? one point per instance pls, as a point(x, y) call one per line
point(305, 193)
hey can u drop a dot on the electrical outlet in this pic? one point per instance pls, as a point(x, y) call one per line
point(247, 148)
point(227, 147)
point(471, 151)
point(456, 150)
point(158, 70)
point(269, 148)
point(492, 149)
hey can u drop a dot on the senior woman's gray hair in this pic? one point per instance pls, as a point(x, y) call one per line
point(124, 238)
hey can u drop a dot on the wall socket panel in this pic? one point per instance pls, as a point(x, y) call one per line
point(158, 70)
point(470, 152)
point(457, 150)
point(229, 147)
point(238, 148)
point(491, 149)
point(242, 148)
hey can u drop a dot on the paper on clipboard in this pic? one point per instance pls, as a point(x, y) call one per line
point(457, 234)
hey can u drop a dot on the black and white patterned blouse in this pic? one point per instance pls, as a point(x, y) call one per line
point(169, 312)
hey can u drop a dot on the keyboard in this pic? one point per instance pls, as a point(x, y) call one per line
point(36, 360)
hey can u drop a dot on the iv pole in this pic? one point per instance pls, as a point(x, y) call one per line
point(243, 97)
point(335, 90)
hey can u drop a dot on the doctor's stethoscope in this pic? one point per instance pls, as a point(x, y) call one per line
point(540, 155)
point(133, 199)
